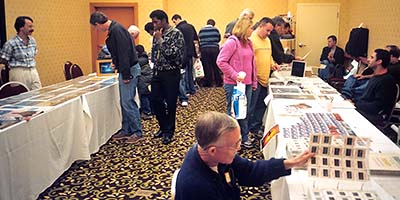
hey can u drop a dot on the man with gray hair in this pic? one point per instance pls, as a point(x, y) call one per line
point(212, 169)
point(277, 49)
point(229, 27)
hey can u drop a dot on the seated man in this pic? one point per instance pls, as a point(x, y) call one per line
point(212, 169)
point(377, 101)
point(331, 56)
point(394, 66)
point(355, 86)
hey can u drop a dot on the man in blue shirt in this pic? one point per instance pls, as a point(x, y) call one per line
point(213, 170)
point(20, 52)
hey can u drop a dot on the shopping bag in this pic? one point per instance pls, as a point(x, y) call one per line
point(239, 101)
point(198, 68)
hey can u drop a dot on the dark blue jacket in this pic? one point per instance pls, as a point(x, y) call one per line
point(197, 181)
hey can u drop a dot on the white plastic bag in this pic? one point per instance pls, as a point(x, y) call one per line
point(239, 101)
point(198, 68)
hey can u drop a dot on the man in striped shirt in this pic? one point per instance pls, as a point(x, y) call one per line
point(20, 52)
point(210, 37)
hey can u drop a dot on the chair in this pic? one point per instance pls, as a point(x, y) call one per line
point(67, 69)
point(337, 83)
point(12, 88)
point(388, 118)
point(173, 183)
point(4, 74)
point(75, 71)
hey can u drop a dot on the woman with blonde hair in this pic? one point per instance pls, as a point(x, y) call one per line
point(236, 61)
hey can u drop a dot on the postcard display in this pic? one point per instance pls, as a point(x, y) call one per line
point(23, 107)
point(340, 168)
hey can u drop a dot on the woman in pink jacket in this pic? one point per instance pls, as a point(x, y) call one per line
point(237, 55)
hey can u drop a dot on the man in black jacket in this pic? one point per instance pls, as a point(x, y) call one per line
point(377, 101)
point(191, 40)
point(278, 54)
point(333, 57)
point(122, 48)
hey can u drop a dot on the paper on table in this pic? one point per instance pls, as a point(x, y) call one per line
point(305, 56)
point(342, 104)
point(384, 164)
point(268, 99)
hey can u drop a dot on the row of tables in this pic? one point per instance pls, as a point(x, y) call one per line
point(289, 99)
point(70, 121)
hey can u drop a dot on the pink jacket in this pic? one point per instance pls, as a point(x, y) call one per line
point(231, 62)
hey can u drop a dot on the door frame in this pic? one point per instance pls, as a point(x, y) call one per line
point(93, 7)
point(338, 5)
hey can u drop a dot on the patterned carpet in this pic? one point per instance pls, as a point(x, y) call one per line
point(144, 171)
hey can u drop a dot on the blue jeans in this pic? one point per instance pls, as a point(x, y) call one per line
point(189, 82)
point(130, 112)
point(354, 88)
point(257, 108)
point(145, 105)
point(243, 123)
point(325, 74)
point(182, 89)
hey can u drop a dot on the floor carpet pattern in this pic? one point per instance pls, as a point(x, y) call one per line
point(144, 170)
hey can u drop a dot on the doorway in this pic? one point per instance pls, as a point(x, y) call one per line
point(124, 13)
point(315, 22)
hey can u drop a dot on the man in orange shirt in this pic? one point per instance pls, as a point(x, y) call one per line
point(264, 63)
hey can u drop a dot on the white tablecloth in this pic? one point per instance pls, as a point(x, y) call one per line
point(34, 154)
point(295, 186)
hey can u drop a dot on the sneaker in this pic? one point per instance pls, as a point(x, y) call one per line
point(134, 139)
point(120, 135)
point(185, 104)
point(248, 144)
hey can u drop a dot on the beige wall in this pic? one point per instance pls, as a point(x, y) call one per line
point(62, 29)
point(223, 11)
point(380, 17)
point(144, 10)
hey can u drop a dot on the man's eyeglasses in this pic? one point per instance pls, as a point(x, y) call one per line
point(235, 147)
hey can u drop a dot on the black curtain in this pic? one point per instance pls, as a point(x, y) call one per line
point(3, 36)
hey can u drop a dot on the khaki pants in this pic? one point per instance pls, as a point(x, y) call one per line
point(27, 76)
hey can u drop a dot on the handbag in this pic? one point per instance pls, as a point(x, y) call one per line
point(198, 68)
point(239, 101)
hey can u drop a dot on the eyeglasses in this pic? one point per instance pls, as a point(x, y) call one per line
point(235, 147)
